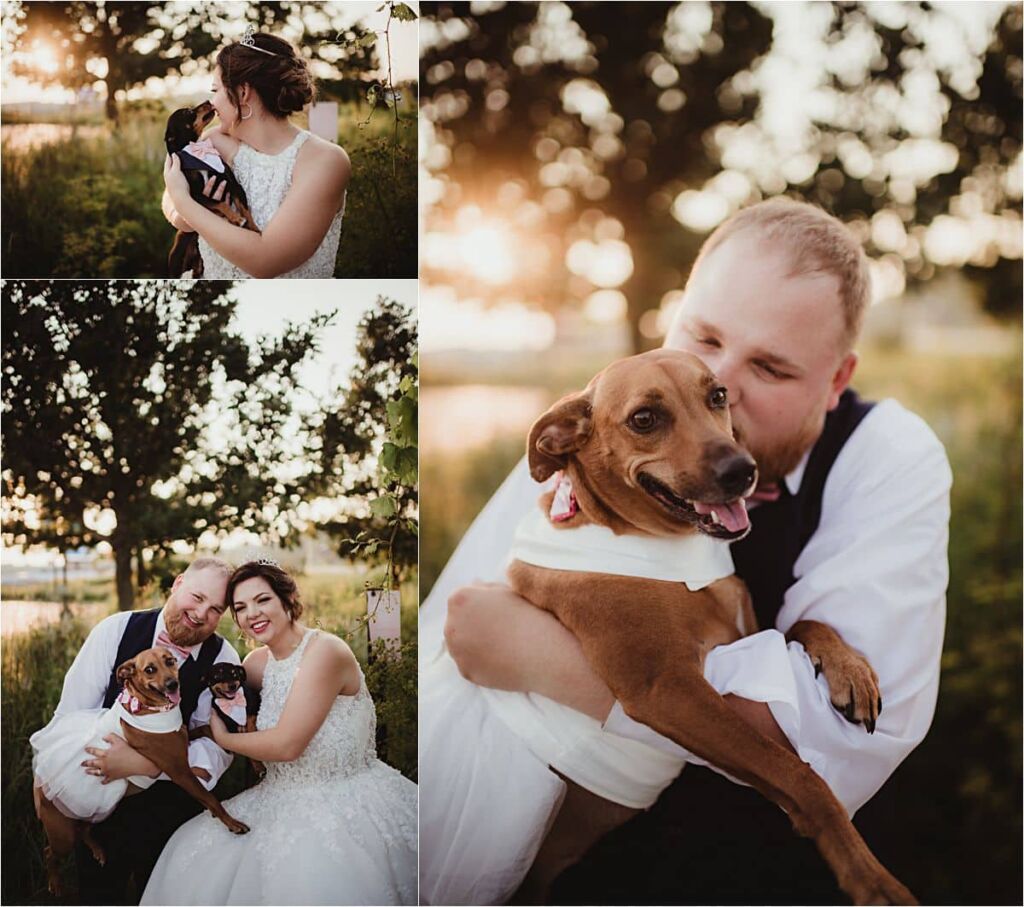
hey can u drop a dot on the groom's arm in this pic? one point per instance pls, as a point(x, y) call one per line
point(85, 683)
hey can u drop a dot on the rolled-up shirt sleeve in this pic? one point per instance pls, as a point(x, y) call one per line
point(876, 572)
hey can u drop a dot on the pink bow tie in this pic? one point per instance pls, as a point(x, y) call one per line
point(235, 702)
point(766, 493)
point(164, 640)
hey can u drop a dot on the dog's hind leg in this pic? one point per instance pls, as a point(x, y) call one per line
point(583, 819)
point(95, 848)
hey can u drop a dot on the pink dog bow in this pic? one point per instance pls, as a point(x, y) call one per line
point(205, 151)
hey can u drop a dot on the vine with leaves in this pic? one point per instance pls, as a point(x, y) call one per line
point(380, 94)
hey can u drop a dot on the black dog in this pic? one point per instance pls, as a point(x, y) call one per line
point(184, 127)
point(224, 680)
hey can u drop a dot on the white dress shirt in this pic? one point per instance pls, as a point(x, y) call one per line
point(875, 570)
point(85, 686)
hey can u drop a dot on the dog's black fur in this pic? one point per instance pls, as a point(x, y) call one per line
point(184, 126)
point(224, 679)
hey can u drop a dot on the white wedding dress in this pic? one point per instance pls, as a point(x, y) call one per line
point(266, 179)
point(336, 826)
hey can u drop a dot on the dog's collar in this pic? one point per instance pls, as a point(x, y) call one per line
point(564, 505)
point(695, 559)
point(133, 705)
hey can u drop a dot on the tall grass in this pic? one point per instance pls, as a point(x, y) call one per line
point(959, 793)
point(88, 205)
point(32, 668)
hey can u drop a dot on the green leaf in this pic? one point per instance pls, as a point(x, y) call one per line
point(367, 40)
point(403, 13)
point(384, 507)
point(389, 457)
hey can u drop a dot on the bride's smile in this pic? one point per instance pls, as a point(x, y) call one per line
point(262, 615)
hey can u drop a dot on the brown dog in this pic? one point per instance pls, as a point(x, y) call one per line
point(650, 451)
point(150, 689)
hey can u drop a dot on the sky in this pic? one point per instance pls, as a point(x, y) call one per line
point(264, 306)
point(404, 54)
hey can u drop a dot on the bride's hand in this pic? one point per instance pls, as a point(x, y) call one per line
point(174, 180)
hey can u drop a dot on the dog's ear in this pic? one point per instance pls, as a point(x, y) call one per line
point(562, 430)
point(126, 670)
point(240, 673)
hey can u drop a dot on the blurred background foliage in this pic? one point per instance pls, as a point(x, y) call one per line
point(576, 153)
point(575, 157)
point(82, 178)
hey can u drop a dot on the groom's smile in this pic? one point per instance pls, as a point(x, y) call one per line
point(195, 606)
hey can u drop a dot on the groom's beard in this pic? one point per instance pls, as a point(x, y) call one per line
point(181, 633)
point(778, 459)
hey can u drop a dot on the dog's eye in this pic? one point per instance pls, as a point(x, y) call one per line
point(149, 669)
point(718, 398)
point(643, 420)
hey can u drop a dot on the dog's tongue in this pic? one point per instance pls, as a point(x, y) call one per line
point(175, 697)
point(732, 516)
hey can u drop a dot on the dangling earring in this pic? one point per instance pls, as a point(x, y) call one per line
point(245, 116)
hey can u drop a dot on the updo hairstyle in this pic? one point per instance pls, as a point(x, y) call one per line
point(283, 81)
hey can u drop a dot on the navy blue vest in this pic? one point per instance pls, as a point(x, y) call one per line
point(781, 529)
point(707, 840)
point(138, 636)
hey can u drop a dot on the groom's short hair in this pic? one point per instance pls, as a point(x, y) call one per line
point(815, 241)
point(208, 562)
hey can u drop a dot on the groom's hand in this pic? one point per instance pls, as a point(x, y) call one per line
point(500, 640)
point(117, 762)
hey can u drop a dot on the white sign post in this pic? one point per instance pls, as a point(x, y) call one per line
point(384, 606)
point(323, 120)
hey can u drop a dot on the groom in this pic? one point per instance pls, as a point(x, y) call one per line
point(137, 830)
point(853, 533)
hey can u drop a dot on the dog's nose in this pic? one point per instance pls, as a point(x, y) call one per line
point(172, 685)
point(735, 474)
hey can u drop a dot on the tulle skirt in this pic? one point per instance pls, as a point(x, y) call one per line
point(58, 751)
point(486, 801)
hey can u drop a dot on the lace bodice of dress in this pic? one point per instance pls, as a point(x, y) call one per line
point(266, 179)
point(344, 744)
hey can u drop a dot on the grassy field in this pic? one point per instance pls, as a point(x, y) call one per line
point(33, 666)
point(86, 203)
point(960, 791)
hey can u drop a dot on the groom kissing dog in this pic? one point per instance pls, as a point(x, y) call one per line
point(135, 833)
point(854, 534)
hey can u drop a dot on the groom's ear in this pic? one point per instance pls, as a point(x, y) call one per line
point(126, 670)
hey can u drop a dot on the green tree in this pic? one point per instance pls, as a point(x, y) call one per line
point(602, 115)
point(367, 437)
point(123, 44)
point(141, 399)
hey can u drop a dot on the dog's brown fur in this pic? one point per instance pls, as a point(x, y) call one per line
point(647, 639)
point(148, 676)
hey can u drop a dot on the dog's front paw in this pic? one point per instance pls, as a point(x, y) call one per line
point(852, 685)
point(236, 827)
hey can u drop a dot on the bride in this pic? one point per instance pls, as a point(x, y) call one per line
point(330, 823)
point(295, 182)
